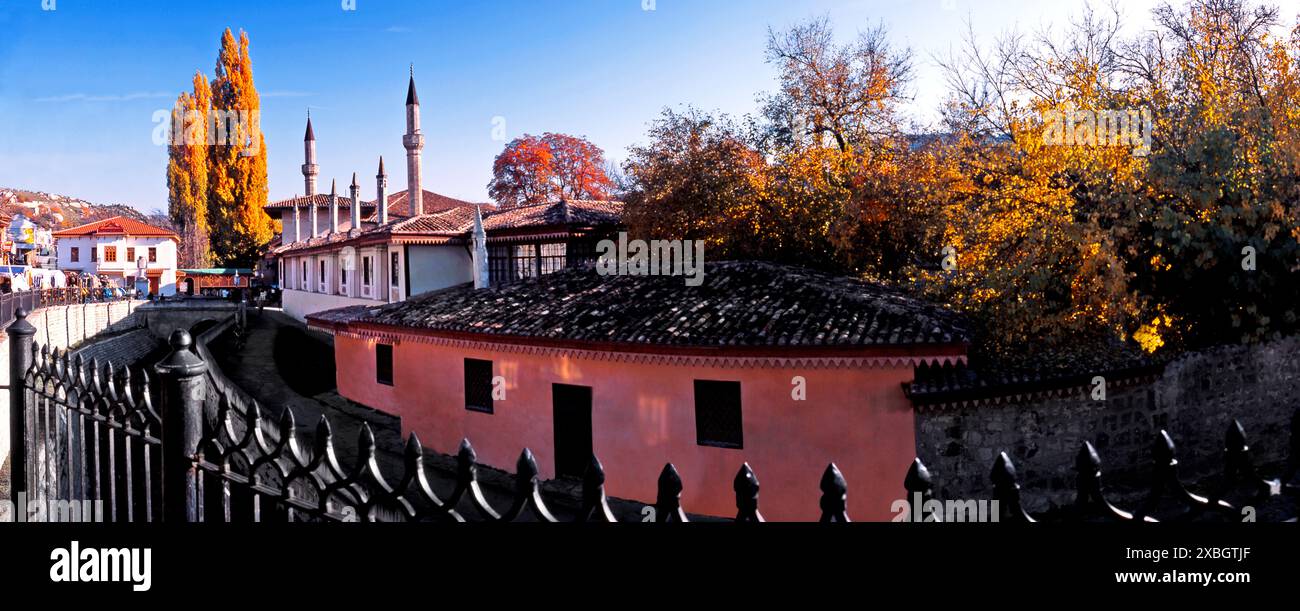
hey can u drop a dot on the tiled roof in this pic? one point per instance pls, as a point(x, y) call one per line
point(455, 221)
point(117, 225)
point(739, 304)
point(582, 212)
point(431, 202)
point(342, 235)
point(321, 199)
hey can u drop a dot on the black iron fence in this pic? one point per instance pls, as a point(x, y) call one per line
point(92, 431)
point(31, 301)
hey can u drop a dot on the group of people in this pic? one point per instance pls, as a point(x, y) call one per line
point(89, 284)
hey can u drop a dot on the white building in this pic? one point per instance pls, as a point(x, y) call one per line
point(123, 249)
point(339, 250)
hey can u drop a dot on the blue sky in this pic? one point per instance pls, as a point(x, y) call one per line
point(79, 84)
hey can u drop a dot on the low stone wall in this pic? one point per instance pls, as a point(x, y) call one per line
point(121, 350)
point(65, 327)
point(1194, 398)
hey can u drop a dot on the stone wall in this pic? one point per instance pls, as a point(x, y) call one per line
point(65, 327)
point(122, 349)
point(1195, 398)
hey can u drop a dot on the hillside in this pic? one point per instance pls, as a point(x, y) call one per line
point(56, 212)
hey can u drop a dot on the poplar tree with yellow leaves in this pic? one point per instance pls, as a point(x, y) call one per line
point(216, 170)
point(187, 174)
point(237, 181)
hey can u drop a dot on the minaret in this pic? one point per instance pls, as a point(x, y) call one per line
point(356, 205)
point(310, 169)
point(381, 192)
point(334, 207)
point(297, 224)
point(414, 143)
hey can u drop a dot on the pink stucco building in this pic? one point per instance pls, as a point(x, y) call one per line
point(780, 367)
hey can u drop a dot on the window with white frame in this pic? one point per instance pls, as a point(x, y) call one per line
point(367, 274)
point(343, 275)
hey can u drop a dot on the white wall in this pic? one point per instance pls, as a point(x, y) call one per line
point(167, 257)
point(437, 267)
point(299, 304)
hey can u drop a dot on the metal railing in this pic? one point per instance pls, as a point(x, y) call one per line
point(31, 301)
point(91, 431)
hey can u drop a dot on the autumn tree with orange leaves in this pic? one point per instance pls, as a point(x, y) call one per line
point(187, 174)
point(534, 170)
point(1192, 244)
point(216, 170)
point(824, 177)
point(1192, 240)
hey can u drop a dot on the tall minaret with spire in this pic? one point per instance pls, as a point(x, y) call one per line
point(414, 143)
point(381, 192)
point(310, 169)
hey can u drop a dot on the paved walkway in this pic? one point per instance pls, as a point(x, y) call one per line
point(254, 369)
point(272, 382)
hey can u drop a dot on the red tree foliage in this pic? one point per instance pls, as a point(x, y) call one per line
point(534, 170)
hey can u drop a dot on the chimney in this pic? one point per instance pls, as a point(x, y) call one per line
point(480, 259)
point(334, 207)
point(297, 224)
point(315, 230)
point(413, 141)
point(309, 167)
point(356, 204)
point(381, 192)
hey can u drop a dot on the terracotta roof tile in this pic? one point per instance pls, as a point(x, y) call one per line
point(739, 304)
point(117, 225)
point(583, 212)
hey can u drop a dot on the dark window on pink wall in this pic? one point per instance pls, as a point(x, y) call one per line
point(717, 414)
point(478, 386)
point(384, 364)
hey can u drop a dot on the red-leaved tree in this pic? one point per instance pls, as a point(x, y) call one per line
point(534, 170)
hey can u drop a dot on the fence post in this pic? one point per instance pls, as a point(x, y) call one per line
point(21, 334)
point(183, 392)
